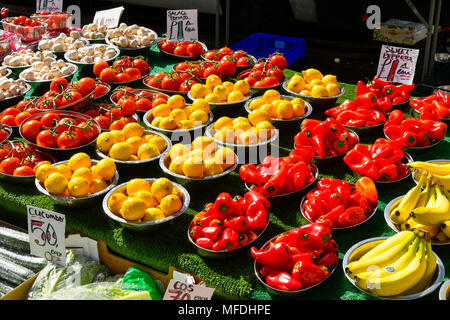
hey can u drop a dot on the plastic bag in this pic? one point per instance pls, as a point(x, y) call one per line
point(143, 280)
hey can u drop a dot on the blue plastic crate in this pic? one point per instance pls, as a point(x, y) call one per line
point(261, 45)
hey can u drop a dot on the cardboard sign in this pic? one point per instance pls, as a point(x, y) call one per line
point(397, 64)
point(178, 290)
point(182, 25)
point(109, 18)
point(49, 5)
point(46, 230)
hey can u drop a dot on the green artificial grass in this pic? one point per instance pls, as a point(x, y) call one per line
point(233, 278)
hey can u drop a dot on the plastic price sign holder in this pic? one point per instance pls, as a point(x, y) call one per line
point(397, 64)
point(109, 18)
point(49, 5)
point(182, 25)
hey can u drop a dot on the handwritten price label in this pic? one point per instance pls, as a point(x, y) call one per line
point(182, 25)
point(178, 290)
point(397, 64)
point(46, 230)
point(109, 18)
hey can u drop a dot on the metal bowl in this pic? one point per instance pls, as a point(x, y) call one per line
point(285, 293)
point(180, 58)
point(44, 85)
point(367, 130)
point(75, 106)
point(82, 65)
point(74, 201)
point(437, 279)
point(150, 225)
point(444, 292)
point(137, 164)
point(113, 98)
point(255, 90)
point(437, 161)
point(391, 206)
point(222, 254)
point(433, 143)
point(108, 86)
point(401, 106)
point(225, 107)
point(134, 50)
point(318, 103)
point(416, 114)
point(291, 124)
point(302, 210)
point(11, 101)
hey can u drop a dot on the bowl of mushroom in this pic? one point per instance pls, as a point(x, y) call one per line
point(62, 43)
point(12, 91)
point(94, 33)
point(88, 55)
point(131, 38)
point(18, 61)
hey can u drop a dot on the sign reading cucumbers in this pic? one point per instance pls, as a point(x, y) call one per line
point(182, 25)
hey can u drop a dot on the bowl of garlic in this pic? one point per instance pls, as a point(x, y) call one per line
point(62, 43)
point(132, 38)
point(18, 61)
point(95, 33)
point(12, 91)
point(85, 57)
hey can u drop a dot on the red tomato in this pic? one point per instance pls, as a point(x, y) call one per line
point(143, 104)
point(225, 50)
point(8, 120)
point(180, 51)
point(152, 81)
point(270, 81)
point(243, 62)
point(59, 84)
point(158, 101)
point(209, 71)
point(134, 73)
point(128, 107)
point(108, 75)
point(88, 133)
point(23, 171)
point(278, 60)
point(194, 49)
point(62, 126)
point(277, 73)
point(30, 129)
point(68, 140)
point(24, 104)
point(122, 64)
point(142, 65)
point(3, 135)
point(14, 111)
point(171, 82)
point(49, 119)
point(86, 85)
point(91, 113)
point(8, 166)
point(122, 77)
point(21, 117)
point(46, 139)
point(117, 125)
point(226, 68)
point(100, 90)
point(210, 55)
point(167, 46)
point(71, 96)
point(103, 121)
point(32, 110)
point(99, 66)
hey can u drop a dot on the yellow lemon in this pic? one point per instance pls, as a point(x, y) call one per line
point(299, 110)
point(43, 171)
point(176, 102)
point(296, 84)
point(55, 183)
point(203, 142)
point(85, 173)
point(158, 141)
point(306, 93)
point(78, 187)
point(242, 86)
point(118, 134)
point(200, 104)
point(161, 187)
point(248, 137)
point(79, 160)
point(229, 85)
point(239, 119)
point(243, 125)
point(149, 199)
point(316, 82)
point(225, 157)
point(212, 167)
point(196, 153)
point(170, 204)
point(311, 74)
point(222, 122)
point(153, 214)
point(120, 151)
point(177, 150)
point(298, 101)
point(115, 202)
point(193, 167)
point(212, 98)
point(176, 165)
point(168, 123)
point(256, 103)
point(270, 109)
point(105, 141)
point(133, 157)
point(199, 116)
point(156, 121)
point(329, 78)
point(162, 110)
point(225, 134)
point(134, 185)
point(271, 95)
point(178, 115)
point(65, 170)
point(186, 124)
point(177, 192)
point(319, 91)
point(235, 96)
point(213, 81)
point(258, 115)
point(285, 110)
point(134, 143)
point(333, 89)
point(132, 129)
point(147, 151)
point(264, 130)
point(221, 91)
point(133, 208)
point(97, 185)
point(199, 90)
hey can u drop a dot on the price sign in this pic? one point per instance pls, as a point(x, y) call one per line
point(182, 25)
point(397, 64)
point(178, 290)
point(109, 18)
point(49, 5)
point(46, 230)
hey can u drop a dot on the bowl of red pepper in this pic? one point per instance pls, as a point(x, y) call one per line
point(432, 107)
point(345, 205)
point(296, 261)
point(229, 224)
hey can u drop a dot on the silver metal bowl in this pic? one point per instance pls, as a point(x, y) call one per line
point(180, 58)
point(74, 201)
point(83, 64)
point(136, 164)
point(435, 161)
point(302, 210)
point(256, 91)
point(367, 130)
point(284, 293)
point(224, 107)
point(79, 104)
point(392, 205)
point(44, 85)
point(11, 101)
point(150, 225)
point(444, 293)
point(318, 103)
point(433, 143)
point(436, 282)
point(133, 50)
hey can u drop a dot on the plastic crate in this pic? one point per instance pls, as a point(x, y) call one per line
point(262, 45)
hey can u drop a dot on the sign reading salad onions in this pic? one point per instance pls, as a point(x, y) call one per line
point(182, 25)
point(397, 64)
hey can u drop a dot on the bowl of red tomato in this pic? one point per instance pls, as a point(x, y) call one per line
point(101, 90)
point(171, 83)
point(60, 131)
point(141, 100)
point(110, 116)
point(13, 116)
point(243, 59)
point(19, 161)
point(26, 29)
point(260, 82)
point(200, 69)
point(5, 132)
point(181, 50)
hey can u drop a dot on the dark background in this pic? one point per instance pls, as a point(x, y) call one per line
point(340, 31)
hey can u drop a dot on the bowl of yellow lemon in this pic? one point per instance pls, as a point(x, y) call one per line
point(285, 112)
point(79, 181)
point(202, 160)
point(224, 97)
point(146, 204)
point(132, 147)
point(320, 91)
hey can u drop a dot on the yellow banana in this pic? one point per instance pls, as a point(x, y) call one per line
point(443, 179)
point(399, 282)
point(397, 238)
point(431, 230)
point(436, 215)
point(425, 194)
point(400, 213)
point(443, 169)
point(381, 259)
point(362, 249)
point(445, 226)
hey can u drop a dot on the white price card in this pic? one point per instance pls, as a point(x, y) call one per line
point(397, 64)
point(178, 290)
point(182, 25)
point(46, 230)
point(49, 5)
point(109, 18)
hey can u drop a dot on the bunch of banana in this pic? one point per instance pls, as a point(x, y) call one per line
point(401, 265)
point(426, 207)
point(440, 172)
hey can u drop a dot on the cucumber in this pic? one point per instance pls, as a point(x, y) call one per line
point(31, 262)
point(14, 273)
point(5, 288)
point(14, 239)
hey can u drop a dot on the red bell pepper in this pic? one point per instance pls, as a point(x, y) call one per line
point(276, 182)
point(240, 205)
point(216, 223)
point(329, 260)
point(255, 196)
point(218, 245)
point(389, 173)
point(283, 281)
point(196, 232)
point(358, 199)
point(224, 204)
point(206, 221)
point(303, 138)
point(212, 233)
point(243, 239)
point(300, 154)
point(275, 255)
point(334, 214)
point(366, 100)
point(361, 164)
point(312, 235)
point(239, 223)
point(204, 242)
point(331, 247)
point(318, 142)
point(367, 187)
point(361, 88)
point(249, 174)
point(256, 216)
point(351, 216)
point(251, 235)
point(309, 273)
point(230, 238)
point(384, 104)
point(197, 218)
point(436, 129)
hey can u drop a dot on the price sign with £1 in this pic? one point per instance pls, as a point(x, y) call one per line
point(179, 290)
point(46, 230)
